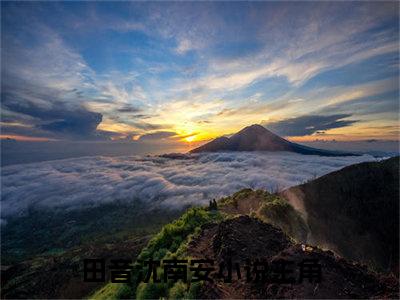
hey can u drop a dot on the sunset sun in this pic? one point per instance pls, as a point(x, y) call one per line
point(190, 139)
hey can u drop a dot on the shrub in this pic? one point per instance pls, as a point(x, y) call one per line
point(178, 291)
point(113, 291)
point(280, 213)
point(194, 290)
point(151, 290)
point(171, 242)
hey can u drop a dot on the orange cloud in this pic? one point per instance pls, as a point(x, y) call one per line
point(25, 138)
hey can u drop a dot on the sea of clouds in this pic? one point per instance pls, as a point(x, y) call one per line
point(91, 181)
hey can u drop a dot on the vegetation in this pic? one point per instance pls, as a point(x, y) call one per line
point(35, 255)
point(116, 227)
point(29, 235)
point(268, 207)
point(112, 291)
point(170, 242)
point(359, 206)
point(280, 213)
point(241, 195)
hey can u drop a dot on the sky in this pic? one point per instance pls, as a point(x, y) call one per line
point(186, 72)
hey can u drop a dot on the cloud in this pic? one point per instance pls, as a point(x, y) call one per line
point(147, 126)
point(79, 122)
point(306, 125)
point(47, 62)
point(42, 114)
point(304, 50)
point(184, 46)
point(373, 88)
point(128, 109)
point(42, 87)
point(172, 20)
point(49, 87)
point(92, 181)
point(144, 57)
point(157, 135)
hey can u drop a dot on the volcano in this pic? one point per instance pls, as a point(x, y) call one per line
point(258, 138)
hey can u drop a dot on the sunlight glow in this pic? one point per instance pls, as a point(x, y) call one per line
point(190, 138)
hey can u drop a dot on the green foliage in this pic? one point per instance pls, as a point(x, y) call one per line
point(171, 242)
point(172, 235)
point(280, 213)
point(194, 290)
point(112, 291)
point(178, 291)
point(151, 290)
point(242, 194)
point(270, 208)
point(29, 235)
point(106, 227)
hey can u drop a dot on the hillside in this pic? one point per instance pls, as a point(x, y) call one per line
point(259, 226)
point(244, 238)
point(256, 225)
point(341, 219)
point(203, 233)
point(354, 211)
point(47, 264)
point(258, 138)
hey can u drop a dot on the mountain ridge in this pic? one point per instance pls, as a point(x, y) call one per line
point(257, 138)
point(255, 225)
point(364, 197)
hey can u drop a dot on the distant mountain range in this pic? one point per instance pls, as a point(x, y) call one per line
point(258, 138)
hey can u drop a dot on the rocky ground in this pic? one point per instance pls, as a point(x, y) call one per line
point(244, 238)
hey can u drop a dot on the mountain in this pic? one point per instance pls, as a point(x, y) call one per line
point(352, 212)
point(245, 238)
point(42, 253)
point(235, 242)
point(258, 138)
point(355, 212)
point(347, 221)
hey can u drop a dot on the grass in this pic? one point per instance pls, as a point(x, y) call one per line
point(112, 292)
point(29, 235)
point(240, 195)
point(272, 209)
point(170, 242)
point(280, 213)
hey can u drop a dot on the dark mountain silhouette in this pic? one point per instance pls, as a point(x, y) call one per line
point(355, 212)
point(258, 138)
point(245, 238)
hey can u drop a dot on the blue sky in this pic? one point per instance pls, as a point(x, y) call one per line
point(189, 72)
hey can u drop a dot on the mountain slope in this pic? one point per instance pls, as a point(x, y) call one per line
point(245, 238)
point(354, 211)
point(258, 138)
